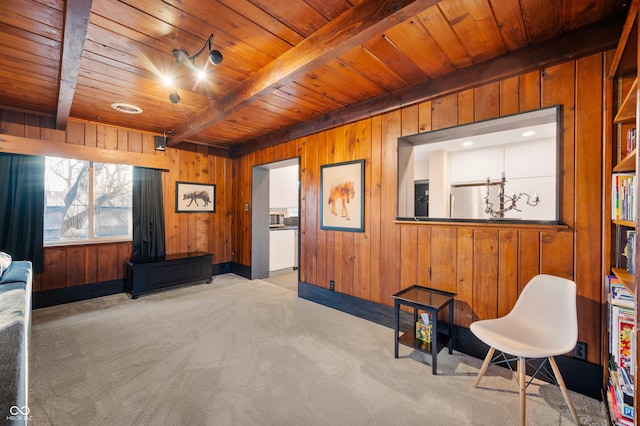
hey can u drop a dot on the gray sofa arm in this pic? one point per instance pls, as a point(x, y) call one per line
point(15, 326)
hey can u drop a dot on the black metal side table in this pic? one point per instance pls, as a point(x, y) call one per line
point(431, 301)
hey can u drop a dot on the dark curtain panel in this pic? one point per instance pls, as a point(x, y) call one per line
point(148, 214)
point(22, 207)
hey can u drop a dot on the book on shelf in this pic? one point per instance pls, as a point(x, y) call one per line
point(622, 196)
point(619, 294)
point(631, 140)
point(626, 385)
point(621, 392)
point(630, 251)
point(622, 337)
point(617, 411)
point(622, 347)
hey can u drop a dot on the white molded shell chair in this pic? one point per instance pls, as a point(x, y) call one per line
point(542, 324)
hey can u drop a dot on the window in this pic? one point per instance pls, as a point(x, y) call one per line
point(487, 170)
point(86, 201)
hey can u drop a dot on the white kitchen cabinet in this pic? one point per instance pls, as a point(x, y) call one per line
point(282, 252)
point(466, 166)
point(283, 187)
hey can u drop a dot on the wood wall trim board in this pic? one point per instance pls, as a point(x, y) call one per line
point(219, 150)
point(499, 225)
point(27, 111)
point(98, 123)
point(19, 145)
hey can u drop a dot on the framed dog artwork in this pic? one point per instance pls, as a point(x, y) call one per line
point(342, 196)
point(195, 197)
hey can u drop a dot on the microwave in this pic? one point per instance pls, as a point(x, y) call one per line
point(276, 219)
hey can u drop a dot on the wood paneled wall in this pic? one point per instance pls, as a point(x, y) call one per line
point(67, 266)
point(486, 265)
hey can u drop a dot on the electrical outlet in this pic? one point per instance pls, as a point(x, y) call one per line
point(332, 285)
point(580, 351)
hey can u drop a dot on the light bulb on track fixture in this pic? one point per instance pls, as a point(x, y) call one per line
point(174, 97)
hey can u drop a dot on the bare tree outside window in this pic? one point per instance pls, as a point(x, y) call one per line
point(86, 200)
point(112, 200)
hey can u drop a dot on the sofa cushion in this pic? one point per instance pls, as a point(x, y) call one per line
point(5, 261)
point(18, 272)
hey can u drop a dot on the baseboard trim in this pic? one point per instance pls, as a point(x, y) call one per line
point(60, 296)
point(365, 309)
point(242, 270)
point(221, 268)
point(579, 376)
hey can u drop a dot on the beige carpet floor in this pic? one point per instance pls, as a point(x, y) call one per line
point(240, 352)
point(288, 280)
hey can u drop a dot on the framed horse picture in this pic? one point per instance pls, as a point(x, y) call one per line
point(342, 196)
point(195, 197)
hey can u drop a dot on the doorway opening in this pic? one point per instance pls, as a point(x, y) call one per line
point(275, 192)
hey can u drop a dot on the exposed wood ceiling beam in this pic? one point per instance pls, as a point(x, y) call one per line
point(76, 21)
point(352, 28)
point(588, 40)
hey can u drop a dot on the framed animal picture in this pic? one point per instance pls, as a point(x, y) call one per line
point(342, 196)
point(195, 197)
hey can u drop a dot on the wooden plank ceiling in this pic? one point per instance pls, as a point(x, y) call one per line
point(290, 66)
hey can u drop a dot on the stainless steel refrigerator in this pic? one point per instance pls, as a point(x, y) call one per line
point(467, 201)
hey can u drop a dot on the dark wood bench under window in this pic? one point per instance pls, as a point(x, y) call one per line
point(150, 274)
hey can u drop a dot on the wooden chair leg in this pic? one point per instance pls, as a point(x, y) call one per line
point(563, 388)
point(485, 364)
point(522, 381)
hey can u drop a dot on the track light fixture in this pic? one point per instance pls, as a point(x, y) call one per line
point(182, 57)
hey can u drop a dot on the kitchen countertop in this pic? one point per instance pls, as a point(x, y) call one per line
point(283, 228)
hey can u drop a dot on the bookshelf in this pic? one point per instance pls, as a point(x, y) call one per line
point(620, 351)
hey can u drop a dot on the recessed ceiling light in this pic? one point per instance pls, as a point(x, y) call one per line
point(126, 108)
point(467, 143)
point(529, 133)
